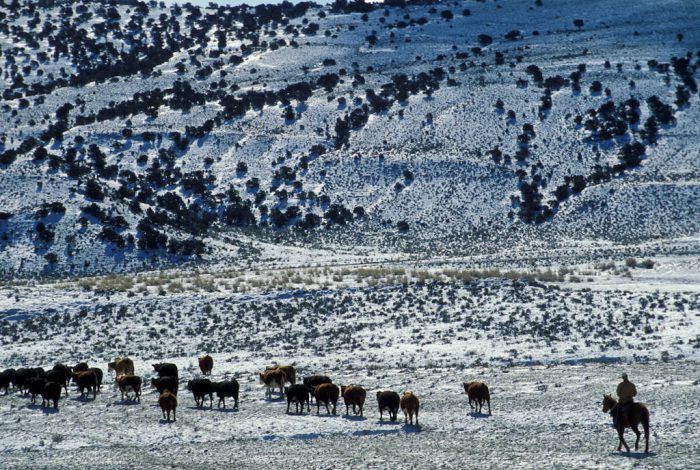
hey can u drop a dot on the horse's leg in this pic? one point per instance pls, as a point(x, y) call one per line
point(636, 431)
point(621, 433)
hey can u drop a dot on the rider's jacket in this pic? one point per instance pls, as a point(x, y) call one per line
point(626, 391)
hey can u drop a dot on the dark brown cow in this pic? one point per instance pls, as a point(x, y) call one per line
point(326, 394)
point(98, 372)
point(410, 406)
point(478, 393)
point(86, 382)
point(130, 383)
point(7, 378)
point(289, 371)
point(206, 364)
point(311, 381)
point(51, 393)
point(353, 395)
point(227, 388)
point(168, 403)
point(273, 378)
point(121, 366)
point(388, 400)
point(200, 388)
point(81, 367)
point(297, 394)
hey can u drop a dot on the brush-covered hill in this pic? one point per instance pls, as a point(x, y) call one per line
point(138, 134)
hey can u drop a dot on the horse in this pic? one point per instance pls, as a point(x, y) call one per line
point(629, 417)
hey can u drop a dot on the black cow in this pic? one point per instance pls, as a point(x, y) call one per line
point(67, 370)
point(165, 369)
point(81, 367)
point(227, 388)
point(314, 380)
point(165, 383)
point(24, 376)
point(7, 377)
point(299, 394)
point(58, 376)
point(51, 392)
point(36, 387)
point(200, 388)
point(390, 401)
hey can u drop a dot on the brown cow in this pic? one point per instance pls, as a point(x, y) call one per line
point(206, 364)
point(130, 383)
point(121, 366)
point(168, 403)
point(410, 406)
point(478, 392)
point(326, 393)
point(86, 382)
point(353, 395)
point(273, 378)
point(289, 371)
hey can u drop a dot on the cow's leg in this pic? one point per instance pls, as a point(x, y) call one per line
point(308, 406)
point(318, 407)
point(328, 408)
point(416, 417)
point(381, 416)
point(288, 402)
point(211, 400)
point(163, 411)
point(488, 402)
point(361, 410)
point(174, 417)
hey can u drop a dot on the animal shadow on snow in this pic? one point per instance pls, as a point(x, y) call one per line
point(49, 410)
point(225, 410)
point(386, 422)
point(633, 454)
point(354, 418)
point(165, 422)
point(125, 402)
point(84, 399)
point(476, 414)
point(410, 428)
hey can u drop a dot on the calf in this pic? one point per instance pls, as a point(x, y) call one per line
point(98, 372)
point(200, 388)
point(206, 364)
point(478, 393)
point(227, 388)
point(388, 400)
point(298, 394)
point(313, 380)
point(355, 396)
point(165, 369)
point(51, 392)
point(326, 394)
point(121, 366)
point(165, 383)
point(410, 406)
point(58, 376)
point(273, 378)
point(130, 383)
point(168, 403)
point(86, 382)
point(36, 387)
point(289, 371)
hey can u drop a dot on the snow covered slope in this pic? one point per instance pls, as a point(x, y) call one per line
point(136, 135)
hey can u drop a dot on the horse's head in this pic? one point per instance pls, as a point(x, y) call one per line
point(608, 403)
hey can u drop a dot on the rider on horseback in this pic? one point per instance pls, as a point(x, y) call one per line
point(626, 391)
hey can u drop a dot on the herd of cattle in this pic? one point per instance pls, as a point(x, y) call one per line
point(319, 388)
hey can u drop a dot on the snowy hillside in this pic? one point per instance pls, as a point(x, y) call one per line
point(137, 134)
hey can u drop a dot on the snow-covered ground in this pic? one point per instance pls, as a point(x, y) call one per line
point(543, 417)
